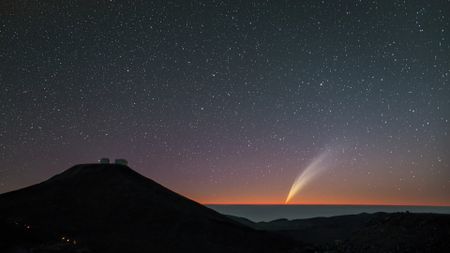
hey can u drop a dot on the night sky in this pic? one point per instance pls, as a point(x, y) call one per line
point(228, 101)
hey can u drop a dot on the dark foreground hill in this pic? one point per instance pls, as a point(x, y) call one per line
point(111, 208)
point(379, 232)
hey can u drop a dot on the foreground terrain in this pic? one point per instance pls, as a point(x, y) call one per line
point(379, 232)
point(111, 208)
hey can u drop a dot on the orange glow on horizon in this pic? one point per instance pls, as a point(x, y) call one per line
point(328, 203)
point(324, 191)
point(321, 200)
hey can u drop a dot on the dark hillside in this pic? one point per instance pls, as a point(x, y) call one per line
point(111, 208)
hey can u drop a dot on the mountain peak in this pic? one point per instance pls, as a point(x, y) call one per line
point(99, 203)
point(95, 169)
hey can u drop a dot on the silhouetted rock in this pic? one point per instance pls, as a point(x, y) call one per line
point(379, 232)
point(402, 232)
point(111, 208)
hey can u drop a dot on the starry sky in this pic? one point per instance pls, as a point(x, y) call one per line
point(228, 101)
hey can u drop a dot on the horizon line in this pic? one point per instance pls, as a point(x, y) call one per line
point(323, 204)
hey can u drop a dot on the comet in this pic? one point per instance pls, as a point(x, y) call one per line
point(318, 165)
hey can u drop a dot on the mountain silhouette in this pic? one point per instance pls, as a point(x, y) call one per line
point(111, 208)
point(376, 232)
